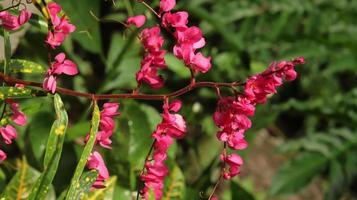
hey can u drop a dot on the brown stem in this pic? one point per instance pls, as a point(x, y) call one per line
point(12, 81)
point(11, 7)
point(142, 170)
point(150, 8)
point(221, 174)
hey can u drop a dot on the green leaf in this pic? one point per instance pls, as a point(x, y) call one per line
point(238, 192)
point(87, 28)
point(39, 22)
point(16, 93)
point(86, 182)
point(139, 132)
point(177, 66)
point(53, 151)
point(7, 51)
point(85, 154)
point(106, 193)
point(20, 185)
point(24, 66)
point(175, 185)
point(336, 181)
point(297, 173)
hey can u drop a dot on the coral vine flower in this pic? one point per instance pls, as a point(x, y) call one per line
point(2, 156)
point(8, 133)
point(138, 21)
point(11, 22)
point(234, 161)
point(167, 5)
point(95, 161)
point(172, 126)
point(232, 114)
point(176, 20)
point(17, 117)
point(60, 66)
point(62, 28)
point(107, 124)
point(153, 59)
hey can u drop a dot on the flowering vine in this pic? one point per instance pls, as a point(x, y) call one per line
point(232, 115)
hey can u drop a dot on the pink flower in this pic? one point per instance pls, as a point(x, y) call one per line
point(50, 84)
point(17, 116)
point(176, 20)
point(60, 66)
point(201, 63)
point(2, 156)
point(11, 22)
point(8, 133)
point(172, 126)
point(153, 59)
point(95, 161)
point(152, 39)
point(62, 28)
point(137, 21)
point(63, 65)
point(234, 161)
point(167, 5)
point(106, 124)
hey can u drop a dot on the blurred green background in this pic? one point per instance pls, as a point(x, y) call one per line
point(303, 143)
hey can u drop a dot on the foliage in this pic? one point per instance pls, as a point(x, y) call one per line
point(317, 115)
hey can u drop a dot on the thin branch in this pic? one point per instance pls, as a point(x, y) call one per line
point(142, 170)
point(12, 81)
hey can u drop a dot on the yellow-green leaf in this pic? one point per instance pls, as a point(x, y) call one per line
point(23, 66)
point(85, 154)
point(103, 194)
point(53, 151)
point(21, 184)
point(16, 93)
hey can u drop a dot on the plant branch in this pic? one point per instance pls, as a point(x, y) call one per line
point(12, 81)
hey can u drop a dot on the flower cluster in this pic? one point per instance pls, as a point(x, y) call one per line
point(172, 126)
point(106, 125)
point(8, 131)
point(189, 39)
point(60, 66)
point(11, 22)
point(61, 27)
point(232, 114)
point(153, 59)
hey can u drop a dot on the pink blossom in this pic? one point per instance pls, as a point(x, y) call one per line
point(201, 63)
point(8, 133)
point(63, 65)
point(95, 161)
point(12, 22)
point(137, 21)
point(2, 156)
point(234, 161)
point(106, 124)
point(176, 20)
point(60, 66)
point(167, 5)
point(153, 59)
point(50, 84)
point(17, 116)
point(61, 27)
point(172, 126)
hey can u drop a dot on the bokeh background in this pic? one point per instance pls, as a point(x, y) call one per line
point(303, 143)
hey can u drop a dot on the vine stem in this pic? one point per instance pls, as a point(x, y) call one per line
point(142, 170)
point(223, 168)
point(12, 80)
